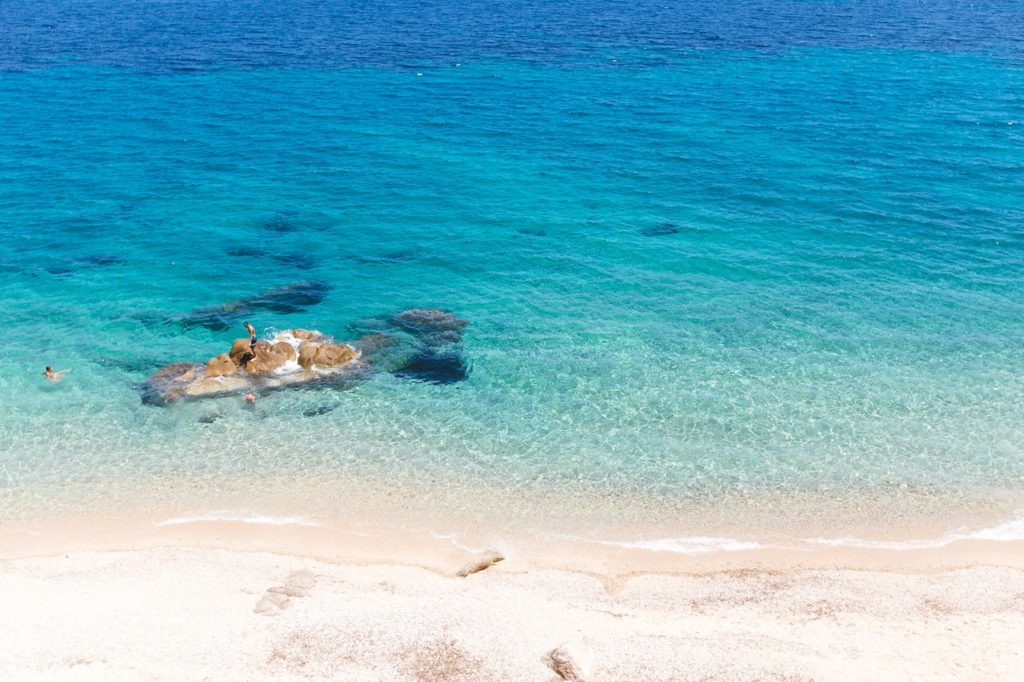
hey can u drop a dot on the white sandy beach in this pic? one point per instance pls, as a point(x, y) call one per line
point(180, 604)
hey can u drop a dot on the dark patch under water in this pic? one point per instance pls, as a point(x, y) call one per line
point(435, 326)
point(77, 264)
point(385, 258)
point(318, 411)
point(428, 365)
point(247, 252)
point(286, 222)
point(661, 229)
point(301, 261)
point(286, 300)
point(282, 223)
point(131, 365)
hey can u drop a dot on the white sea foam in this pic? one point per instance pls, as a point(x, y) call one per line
point(239, 517)
point(290, 367)
point(1004, 532)
point(454, 539)
point(690, 545)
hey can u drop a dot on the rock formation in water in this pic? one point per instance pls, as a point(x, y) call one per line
point(421, 344)
point(293, 357)
point(438, 355)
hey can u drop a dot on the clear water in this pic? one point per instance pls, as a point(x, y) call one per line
point(708, 253)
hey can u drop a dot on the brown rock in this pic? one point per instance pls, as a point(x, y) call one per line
point(220, 366)
point(334, 354)
point(307, 350)
point(306, 335)
point(172, 372)
point(267, 358)
point(209, 386)
point(169, 382)
point(572, 661)
point(285, 349)
point(239, 349)
point(482, 561)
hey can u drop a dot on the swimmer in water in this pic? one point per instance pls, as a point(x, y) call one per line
point(250, 398)
point(54, 376)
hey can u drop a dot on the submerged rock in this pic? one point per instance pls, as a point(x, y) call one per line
point(370, 344)
point(291, 298)
point(661, 229)
point(435, 368)
point(283, 222)
point(247, 252)
point(168, 383)
point(301, 261)
point(385, 258)
point(318, 411)
point(437, 356)
point(76, 264)
point(427, 322)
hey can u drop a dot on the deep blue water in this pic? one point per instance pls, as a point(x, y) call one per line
point(706, 251)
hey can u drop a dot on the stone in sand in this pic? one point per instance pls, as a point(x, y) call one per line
point(571, 661)
point(298, 584)
point(272, 604)
point(480, 562)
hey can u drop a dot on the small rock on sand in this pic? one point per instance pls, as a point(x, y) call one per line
point(279, 597)
point(572, 661)
point(272, 604)
point(479, 563)
point(298, 584)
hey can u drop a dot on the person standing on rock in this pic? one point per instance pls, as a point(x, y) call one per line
point(252, 336)
point(252, 343)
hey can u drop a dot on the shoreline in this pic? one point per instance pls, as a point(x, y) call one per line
point(605, 559)
point(232, 600)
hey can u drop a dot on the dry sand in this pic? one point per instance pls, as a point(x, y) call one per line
point(171, 605)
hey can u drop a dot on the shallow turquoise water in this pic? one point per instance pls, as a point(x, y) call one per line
point(689, 274)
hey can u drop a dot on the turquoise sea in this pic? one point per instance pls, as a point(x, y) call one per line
point(724, 266)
